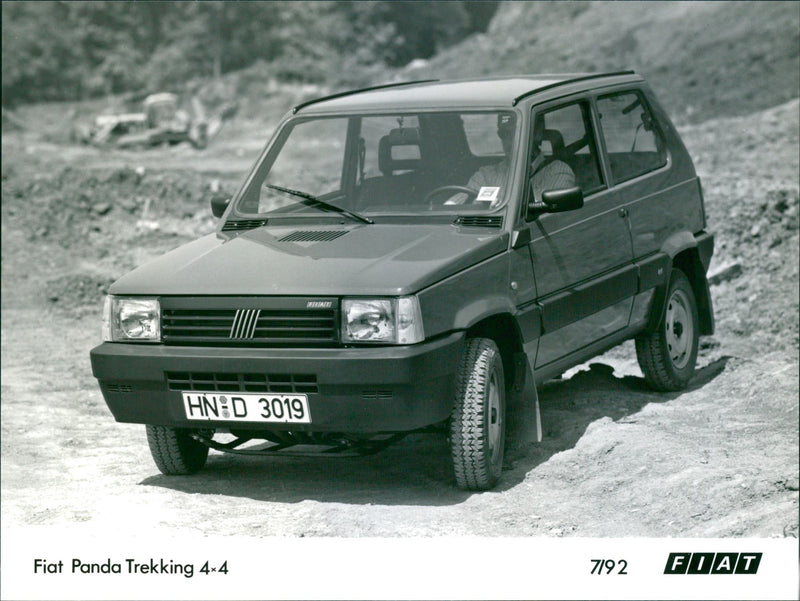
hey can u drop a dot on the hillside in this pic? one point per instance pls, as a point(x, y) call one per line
point(704, 59)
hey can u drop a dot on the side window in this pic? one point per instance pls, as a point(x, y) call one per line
point(633, 142)
point(565, 152)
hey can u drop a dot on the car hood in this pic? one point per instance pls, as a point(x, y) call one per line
point(377, 259)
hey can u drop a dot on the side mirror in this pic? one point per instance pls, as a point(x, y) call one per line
point(219, 203)
point(567, 199)
point(557, 201)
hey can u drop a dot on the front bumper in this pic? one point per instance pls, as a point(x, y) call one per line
point(354, 390)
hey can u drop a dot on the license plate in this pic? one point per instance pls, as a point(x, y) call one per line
point(235, 407)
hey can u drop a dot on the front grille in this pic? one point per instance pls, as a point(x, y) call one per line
point(236, 382)
point(248, 322)
point(118, 388)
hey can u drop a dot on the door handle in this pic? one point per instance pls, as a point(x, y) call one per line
point(623, 212)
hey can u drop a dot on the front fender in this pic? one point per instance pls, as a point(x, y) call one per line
point(481, 308)
point(464, 299)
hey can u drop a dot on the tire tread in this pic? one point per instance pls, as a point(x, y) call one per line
point(174, 451)
point(469, 445)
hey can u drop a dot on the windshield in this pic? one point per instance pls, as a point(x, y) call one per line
point(360, 165)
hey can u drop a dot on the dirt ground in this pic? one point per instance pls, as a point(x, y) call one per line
point(616, 460)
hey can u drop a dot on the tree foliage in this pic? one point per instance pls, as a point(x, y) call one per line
point(56, 50)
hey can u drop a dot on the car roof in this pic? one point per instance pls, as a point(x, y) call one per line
point(433, 93)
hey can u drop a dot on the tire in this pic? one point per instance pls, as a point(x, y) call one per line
point(668, 356)
point(175, 452)
point(477, 425)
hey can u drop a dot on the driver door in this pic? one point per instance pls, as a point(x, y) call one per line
point(582, 259)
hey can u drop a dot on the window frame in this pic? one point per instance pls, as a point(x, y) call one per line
point(590, 124)
point(661, 139)
point(266, 159)
point(348, 180)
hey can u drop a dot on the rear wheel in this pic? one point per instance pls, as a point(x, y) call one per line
point(477, 426)
point(668, 355)
point(175, 452)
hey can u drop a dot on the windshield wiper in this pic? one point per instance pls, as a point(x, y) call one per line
point(323, 203)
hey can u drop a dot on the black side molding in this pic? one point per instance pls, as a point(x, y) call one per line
point(574, 304)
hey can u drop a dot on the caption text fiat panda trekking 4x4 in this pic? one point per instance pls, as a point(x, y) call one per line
point(417, 256)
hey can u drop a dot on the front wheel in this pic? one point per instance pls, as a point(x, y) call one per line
point(477, 426)
point(668, 355)
point(175, 452)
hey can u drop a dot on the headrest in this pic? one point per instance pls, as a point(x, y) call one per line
point(552, 136)
point(556, 140)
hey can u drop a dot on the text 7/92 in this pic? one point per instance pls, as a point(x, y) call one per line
point(603, 567)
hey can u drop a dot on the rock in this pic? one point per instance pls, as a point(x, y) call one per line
point(725, 273)
point(147, 225)
point(601, 369)
point(102, 208)
point(790, 221)
point(129, 205)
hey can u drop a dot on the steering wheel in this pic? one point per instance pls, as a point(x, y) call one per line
point(471, 194)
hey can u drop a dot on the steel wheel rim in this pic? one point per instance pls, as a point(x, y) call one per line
point(494, 417)
point(679, 328)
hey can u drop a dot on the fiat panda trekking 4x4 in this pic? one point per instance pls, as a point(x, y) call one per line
point(417, 256)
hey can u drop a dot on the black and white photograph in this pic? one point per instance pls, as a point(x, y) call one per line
point(400, 299)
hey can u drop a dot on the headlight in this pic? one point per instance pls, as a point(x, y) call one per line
point(387, 320)
point(131, 319)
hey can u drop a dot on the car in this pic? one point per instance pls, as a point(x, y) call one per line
point(416, 257)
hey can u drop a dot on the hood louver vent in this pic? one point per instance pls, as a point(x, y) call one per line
point(243, 224)
point(480, 221)
point(313, 236)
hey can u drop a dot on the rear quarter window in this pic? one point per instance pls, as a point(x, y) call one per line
point(633, 141)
